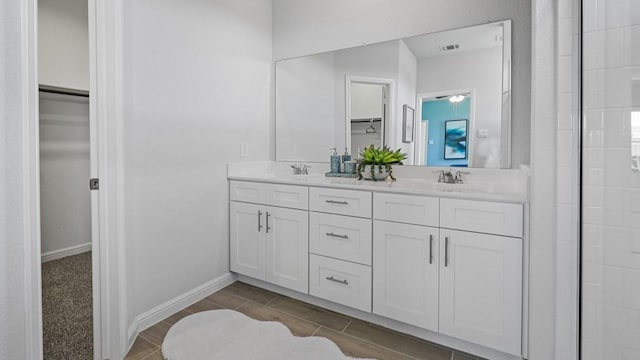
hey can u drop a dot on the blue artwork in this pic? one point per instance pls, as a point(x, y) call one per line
point(455, 139)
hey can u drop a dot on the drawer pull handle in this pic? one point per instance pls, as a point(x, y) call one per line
point(268, 227)
point(331, 278)
point(338, 236)
point(337, 202)
point(430, 249)
point(446, 251)
point(259, 220)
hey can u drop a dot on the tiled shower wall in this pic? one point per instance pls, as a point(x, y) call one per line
point(611, 181)
point(567, 87)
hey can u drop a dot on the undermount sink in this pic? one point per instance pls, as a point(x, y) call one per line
point(445, 187)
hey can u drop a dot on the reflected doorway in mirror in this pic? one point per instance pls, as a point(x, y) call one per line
point(434, 110)
point(367, 110)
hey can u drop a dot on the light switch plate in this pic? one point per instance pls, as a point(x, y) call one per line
point(483, 133)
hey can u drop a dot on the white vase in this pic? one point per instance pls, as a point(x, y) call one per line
point(377, 174)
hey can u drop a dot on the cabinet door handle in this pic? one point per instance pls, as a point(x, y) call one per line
point(337, 202)
point(338, 236)
point(446, 251)
point(259, 220)
point(430, 248)
point(268, 227)
point(331, 278)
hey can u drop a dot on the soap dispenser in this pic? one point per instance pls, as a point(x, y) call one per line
point(335, 161)
point(346, 157)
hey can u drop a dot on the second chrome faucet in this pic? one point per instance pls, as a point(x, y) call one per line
point(449, 177)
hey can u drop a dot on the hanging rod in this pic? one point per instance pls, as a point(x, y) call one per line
point(63, 91)
point(366, 120)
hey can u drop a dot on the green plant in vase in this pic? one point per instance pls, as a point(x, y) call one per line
point(375, 163)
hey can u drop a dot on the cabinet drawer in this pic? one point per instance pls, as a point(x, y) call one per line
point(482, 216)
point(340, 281)
point(296, 197)
point(419, 210)
point(291, 196)
point(344, 202)
point(253, 192)
point(342, 237)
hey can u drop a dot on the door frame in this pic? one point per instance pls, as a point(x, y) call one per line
point(109, 297)
point(421, 143)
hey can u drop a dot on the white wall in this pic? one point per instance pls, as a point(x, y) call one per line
point(479, 70)
point(305, 27)
point(63, 43)
point(65, 204)
point(303, 127)
point(197, 83)
point(407, 84)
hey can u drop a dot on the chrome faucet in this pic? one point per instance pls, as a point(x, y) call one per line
point(448, 177)
point(300, 169)
point(458, 177)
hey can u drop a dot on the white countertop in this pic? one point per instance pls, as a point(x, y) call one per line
point(474, 190)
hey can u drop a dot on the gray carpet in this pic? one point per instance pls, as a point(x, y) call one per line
point(67, 313)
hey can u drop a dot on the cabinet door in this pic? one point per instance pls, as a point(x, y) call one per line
point(405, 273)
point(247, 243)
point(481, 289)
point(287, 253)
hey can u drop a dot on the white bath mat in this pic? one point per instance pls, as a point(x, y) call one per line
point(228, 334)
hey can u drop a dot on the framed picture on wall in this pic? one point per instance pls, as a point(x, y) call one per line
point(408, 120)
point(455, 139)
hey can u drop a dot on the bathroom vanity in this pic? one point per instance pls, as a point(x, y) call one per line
point(440, 261)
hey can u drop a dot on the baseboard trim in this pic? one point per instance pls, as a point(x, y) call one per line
point(71, 250)
point(162, 311)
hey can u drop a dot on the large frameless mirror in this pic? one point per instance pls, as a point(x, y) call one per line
point(456, 84)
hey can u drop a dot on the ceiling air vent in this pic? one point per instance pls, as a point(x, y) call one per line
point(449, 47)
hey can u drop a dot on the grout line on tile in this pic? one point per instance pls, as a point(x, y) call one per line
point(239, 306)
point(272, 300)
point(346, 326)
point(148, 340)
point(153, 353)
point(380, 346)
point(316, 331)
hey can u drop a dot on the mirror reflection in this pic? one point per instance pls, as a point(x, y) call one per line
point(458, 83)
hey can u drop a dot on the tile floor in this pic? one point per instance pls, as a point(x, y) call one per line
point(355, 337)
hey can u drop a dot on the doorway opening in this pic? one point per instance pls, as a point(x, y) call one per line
point(368, 102)
point(445, 122)
point(69, 271)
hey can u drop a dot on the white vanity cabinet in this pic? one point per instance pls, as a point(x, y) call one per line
point(270, 243)
point(448, 265)
point(481, 289)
